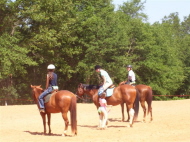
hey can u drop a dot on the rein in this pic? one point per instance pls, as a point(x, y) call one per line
point(81, 98)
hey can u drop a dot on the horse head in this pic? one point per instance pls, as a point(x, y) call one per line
point(36, 91)
point(80, 90)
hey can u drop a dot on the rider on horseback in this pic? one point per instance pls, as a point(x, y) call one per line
point(131, 76)
point(106, 79)
point(51, 84)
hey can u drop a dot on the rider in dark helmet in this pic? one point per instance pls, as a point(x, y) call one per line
point(131, 75)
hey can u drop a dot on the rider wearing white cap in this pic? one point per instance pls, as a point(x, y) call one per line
point(51, 84)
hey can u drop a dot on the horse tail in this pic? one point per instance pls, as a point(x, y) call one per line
point(73, 115)
point(136, 105)
point(149, 100)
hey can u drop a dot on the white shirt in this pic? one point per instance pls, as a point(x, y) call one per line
point(132, 75)
point(107, 77)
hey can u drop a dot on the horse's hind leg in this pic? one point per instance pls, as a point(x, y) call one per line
point(122, 110)
point(128, 119)
point(150, 110)
point(131, 114)
point(144, 110)
point(49, 122)
point(64, 115)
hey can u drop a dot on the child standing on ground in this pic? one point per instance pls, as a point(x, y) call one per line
point(102, 110)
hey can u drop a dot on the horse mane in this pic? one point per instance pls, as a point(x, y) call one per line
point(90, 87)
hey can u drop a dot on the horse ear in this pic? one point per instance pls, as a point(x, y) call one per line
point(80, 84)
point(39, 86)
point(31, 86)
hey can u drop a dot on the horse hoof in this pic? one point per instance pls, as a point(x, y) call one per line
point(64, 135)
point(130, 125)
point(106, 122)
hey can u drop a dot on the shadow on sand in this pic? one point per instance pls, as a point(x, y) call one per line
point(41, 133)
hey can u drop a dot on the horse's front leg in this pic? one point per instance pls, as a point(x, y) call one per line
point(49, 122)
point(64, 115)
point(44, 121)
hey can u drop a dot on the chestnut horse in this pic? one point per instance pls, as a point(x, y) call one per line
point(121, 94)
point(145, 94)
point(61, 101)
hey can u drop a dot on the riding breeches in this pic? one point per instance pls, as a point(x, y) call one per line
point(106, 85)
point(103, 88)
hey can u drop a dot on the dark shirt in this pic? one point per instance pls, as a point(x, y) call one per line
point(53, 82)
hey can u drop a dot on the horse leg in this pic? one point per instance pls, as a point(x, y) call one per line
point(149, 102)
point(128, 113)
point(49, 122)
point(150, 111)
point(131, 114)
point(43, 115)
point(151, 118)
point(144, 110)
point(64, 115)
point(122, 111)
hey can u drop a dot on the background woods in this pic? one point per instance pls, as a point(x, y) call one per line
point(75, 35)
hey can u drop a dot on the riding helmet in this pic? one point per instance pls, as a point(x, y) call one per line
point(51, 67)
point(97, 67)
point(129, 66)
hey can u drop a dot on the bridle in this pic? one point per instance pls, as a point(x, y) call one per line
point(81, 98)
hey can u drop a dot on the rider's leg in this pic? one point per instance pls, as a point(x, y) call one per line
point(41, 97)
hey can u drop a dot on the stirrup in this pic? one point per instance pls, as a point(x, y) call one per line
point(42, 110)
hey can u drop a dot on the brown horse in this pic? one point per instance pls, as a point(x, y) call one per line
point(121, 94)
point(145, 94)
point(61, 101)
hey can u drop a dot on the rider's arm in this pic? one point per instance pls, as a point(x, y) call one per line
point(104, 80)
point(47, 81)
point(129, 78)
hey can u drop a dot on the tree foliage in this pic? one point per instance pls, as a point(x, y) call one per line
point(75, 35)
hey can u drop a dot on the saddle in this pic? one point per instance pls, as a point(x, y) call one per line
point(109, 91)
point(47, 97)
point(111, 86)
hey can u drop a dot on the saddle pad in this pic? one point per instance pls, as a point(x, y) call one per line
point(46, 98)
point(109, 92)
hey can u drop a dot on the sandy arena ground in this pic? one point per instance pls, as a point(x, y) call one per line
point(171, 122)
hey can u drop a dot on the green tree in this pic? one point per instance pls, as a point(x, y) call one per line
point(134, 8)
point(184, 49)
point(13, 54)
